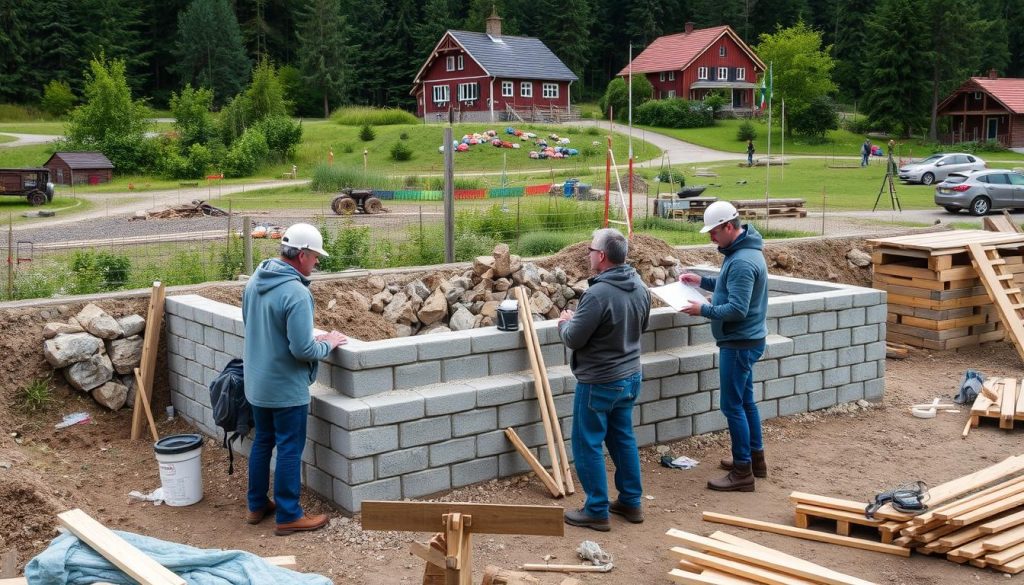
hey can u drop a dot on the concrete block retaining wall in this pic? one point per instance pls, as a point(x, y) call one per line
point(404, 418)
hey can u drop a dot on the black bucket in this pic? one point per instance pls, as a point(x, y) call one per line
point(508, 319)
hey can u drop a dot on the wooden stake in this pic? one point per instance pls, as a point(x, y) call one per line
point(535, 465)
point(150, 343)
point(567, 568)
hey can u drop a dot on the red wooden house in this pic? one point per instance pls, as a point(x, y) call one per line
point(487, 77)
point(986, 108)
point(693, 63)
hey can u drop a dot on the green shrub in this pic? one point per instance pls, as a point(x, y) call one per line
point(246, 154)
point(348, 149)
point(401, 151)
point(37, 395)
point(858, 124)
point(716, 100)
point(366, 133)
point(542, 243)
point(974, 147)
point(350, 247)
point(746, 131)
point(674, 113)
point(593, 131)
point(616, 96)
point(99, 271)
point(282, 135)
point(363, 116)
point(57, 98)
point(404, 136)
point(232, 259)
point(672, 176)
point(192, 166)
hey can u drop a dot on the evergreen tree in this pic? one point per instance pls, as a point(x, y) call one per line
point(12, 42)
point(162, 21)
point(1013, 16)
point(114, 28)
point(952, 60)
point(562, 31)
point(323, 52)
point(400, 53)
point(735, 13)
point(438, 17)
point(850, 49)
point(896, 86)
point(209, 49)
point(643, 22)
point(768, 16)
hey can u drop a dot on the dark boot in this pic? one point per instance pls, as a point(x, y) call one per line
point(759, 465)
point(739, 479)
point(581, 518)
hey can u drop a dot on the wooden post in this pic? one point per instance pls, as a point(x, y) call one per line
point(247, 244)
point(449, 197)
point(10, 257)
point(144, 377)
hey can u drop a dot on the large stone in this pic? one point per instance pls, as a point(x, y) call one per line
point(402, 330)
point(482, 264)
point(433, 280)
point(91, 373)
point(529, 276)
point(416, 289)
point(502, 285)
point(435, 328)
point(125, 354)
point(96, 321)
point(581, 287)
point(359, 300)
point(489, 309)
point(51, 330)
point(132, 325)
point(434, 309)
point(65, 350)
point(859, 258)
point(380, 300)
point(395, 307)
point(540, 303)
point(462, 319)
point(502, 261)
point(376, 283)
point(112, 395)
point(560, 276)
point(128, 382)
point(658, 273)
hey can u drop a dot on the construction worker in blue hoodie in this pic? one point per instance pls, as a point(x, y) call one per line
point(280, 359)
point(739, 304)
point(604, 334)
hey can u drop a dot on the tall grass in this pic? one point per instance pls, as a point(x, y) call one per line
point(367, 116)
point(334, 178)
point(14, 113)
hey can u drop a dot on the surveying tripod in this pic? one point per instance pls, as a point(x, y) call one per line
point(890, 170)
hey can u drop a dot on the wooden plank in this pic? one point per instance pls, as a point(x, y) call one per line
point(726, 578)
point(806, 534)
point(947, 242)
point(988, 511)
point(1007, 403)
point(778, 555)
point(531, 460)
point(751, 572)
point(1004, 523)
point(850, 517)
point(147, 367)
point(487, 518)
point(997, 493)
point(1010, 319)
point(284, 561)
point(827, 502)
point(1004, 556)
point(688, 578)
point(115, 549)
point(1004, 540)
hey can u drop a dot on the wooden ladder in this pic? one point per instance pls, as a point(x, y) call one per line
point(998, 283)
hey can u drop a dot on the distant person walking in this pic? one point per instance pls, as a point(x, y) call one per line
point(750, 153)
point(865, 152)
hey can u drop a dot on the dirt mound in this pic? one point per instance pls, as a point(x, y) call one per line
point(574, 259)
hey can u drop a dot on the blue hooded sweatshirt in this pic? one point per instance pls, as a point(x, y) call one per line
point(281, 356)
point(739, 302)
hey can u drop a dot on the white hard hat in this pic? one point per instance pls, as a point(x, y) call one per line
point(718, 213)
point(304, 237)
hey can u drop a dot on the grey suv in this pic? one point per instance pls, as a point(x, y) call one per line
point(938, 166)
point(981, 191)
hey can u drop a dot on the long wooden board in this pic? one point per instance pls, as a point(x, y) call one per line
point(806, 534)
point(487, 518)
point(757, 574)
point(147, 367)
point(947, 242)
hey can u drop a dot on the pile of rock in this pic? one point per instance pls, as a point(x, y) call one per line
point(97, 353)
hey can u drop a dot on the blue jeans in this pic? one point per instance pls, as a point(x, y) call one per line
point(864, 160)
point(285, 429)
point(603, 413)
point(736, 378)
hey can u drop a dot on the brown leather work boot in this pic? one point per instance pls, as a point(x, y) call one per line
point(739, 479)
point(634, 515)
point(303, 524)
point(255, 517)
point(759, 465)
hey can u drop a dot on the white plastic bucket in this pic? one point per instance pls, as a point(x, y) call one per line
point(181, 472)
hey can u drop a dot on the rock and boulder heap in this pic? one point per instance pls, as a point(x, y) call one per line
point(97, 353)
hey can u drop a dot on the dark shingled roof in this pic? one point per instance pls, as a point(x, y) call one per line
point(84, 160)
point(513, 57)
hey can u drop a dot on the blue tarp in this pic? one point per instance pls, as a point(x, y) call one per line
point(70, 561)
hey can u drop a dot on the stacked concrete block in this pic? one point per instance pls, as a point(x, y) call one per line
point(409, 417)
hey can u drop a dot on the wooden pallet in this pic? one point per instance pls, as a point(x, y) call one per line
point(1007, 407)
point(1007, 297)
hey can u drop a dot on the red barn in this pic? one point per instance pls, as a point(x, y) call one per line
point(986, 108)
point(487, 77)
point(693, 63)
point(79, 167)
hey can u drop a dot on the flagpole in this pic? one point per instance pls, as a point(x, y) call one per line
point(782, 171)
point(629, 212)
point(768, 161)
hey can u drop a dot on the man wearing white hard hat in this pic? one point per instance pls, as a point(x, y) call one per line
point(739, 303)
point(280, 362)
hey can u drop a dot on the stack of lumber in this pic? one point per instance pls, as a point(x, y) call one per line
point(196, 209)
point(977, 518)
point(755, 208)
point(724, 559)
point(1001, 399)
point(936, 297)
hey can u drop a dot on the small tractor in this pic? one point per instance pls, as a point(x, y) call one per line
point(356, 201)
point(32, 184)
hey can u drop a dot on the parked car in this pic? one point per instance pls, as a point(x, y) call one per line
point(938, 166)
point(981, 191)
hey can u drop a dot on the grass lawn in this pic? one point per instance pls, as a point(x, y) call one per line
point(33, 127)
point(33, 155)
point(11, 208)
point(6, 138)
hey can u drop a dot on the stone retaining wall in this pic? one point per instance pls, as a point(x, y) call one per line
point(408, 417)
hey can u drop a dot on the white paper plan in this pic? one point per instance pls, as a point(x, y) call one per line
point(678, 295)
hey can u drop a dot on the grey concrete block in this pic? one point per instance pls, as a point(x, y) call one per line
point(187, 348)
point(838, 300)
point(701, 334)
point(471, 472)
point(213, 338)
point(308, 452)
point(850, 392)
point(709, 380)
point(867, 297)
point(808, 382)
point(424, 483)
point(547, 331)
point(660, 410)
point(792, 365)
point(318, 430)
point(808, 343)
point(194, 371)
point(874, 389)
point(364, 442)
point(474, 422)
point(554, 355)
point(673, 430)
point(350, 497)
point(318, 481)
point(823, 360)
point(532, 435)
point(424, 431)
point(821, 399)
point(220, 360)
point(452, 451)
point(177, 363)
point(396, 406)
point(646, 434)
point(393, 352)
point(837, 377)
point(402, 461)
point(792, 326)
point(826, 321)
point(694, 403)
point(497, 390)
point(659, 365)
point(194, 331)
point(518, 413)
point(446, 345)
point(864, 334)
point(777, 347)
point(348, 470)
point(234, 345)
point(852, 317)
point(766, 370)
point(695, 358)
point(563, 405)
point(853, 354)
point(679, 385)
point(663, 318)
point(462, 368)
point(650, 390)
point(837, 338)
point(876, 313)
point(665, 339)
point(647, 342)
point(808, 304)
point(767, 409)
point(490, 340)
point(863, 371)
point(875, 351)
point(709, 422)
point(779, 387)
point(492, 443)
point(779, 307)
point(504, 362)
point(177, 326)
point(361, 383)
point(417, 374)
point(345, 412)
point(793, 404)
point(447, 398)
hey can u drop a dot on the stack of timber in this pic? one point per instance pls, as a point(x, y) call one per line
point(1001, 399)
point(936, 297)
point(724, 559)
point(755, 208)
point(976, 519)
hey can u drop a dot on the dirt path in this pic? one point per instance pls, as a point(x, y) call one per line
point(28, 139)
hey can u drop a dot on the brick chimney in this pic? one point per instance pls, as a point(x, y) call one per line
point(992, 74)
point(688, 27)
point(494, 23)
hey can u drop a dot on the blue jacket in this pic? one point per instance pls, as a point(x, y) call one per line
point(739, 302)
point(281, 356)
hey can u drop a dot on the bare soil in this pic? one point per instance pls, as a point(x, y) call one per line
point(845, 451)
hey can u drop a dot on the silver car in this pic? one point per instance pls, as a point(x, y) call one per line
point(981, 191)
point(938, 166)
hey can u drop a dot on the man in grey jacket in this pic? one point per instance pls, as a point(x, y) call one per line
point(604, 334)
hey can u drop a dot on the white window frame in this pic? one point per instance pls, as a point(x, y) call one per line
point(721, 51)
point(449, 63)
point(671, 93)
point(661, 76)
point(469, 92)
point(442, 94)
point(526, 89)
point(549, 91)
point(723, 74)
point(702, 73)
point(741, 74)
point(671, 75)
point(508, 89)
point(461, 64)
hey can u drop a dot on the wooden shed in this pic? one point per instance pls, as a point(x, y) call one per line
point(80, 168)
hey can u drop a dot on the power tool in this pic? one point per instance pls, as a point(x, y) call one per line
point(908, 498)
